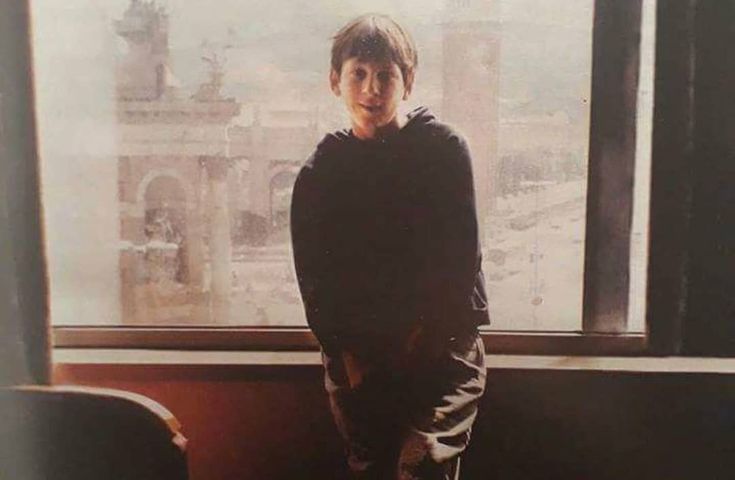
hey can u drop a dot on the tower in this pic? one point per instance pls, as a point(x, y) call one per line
point(471, 40)
point(142, 72)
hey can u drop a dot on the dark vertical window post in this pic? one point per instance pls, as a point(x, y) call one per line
point(671, 167)
point(615, 64)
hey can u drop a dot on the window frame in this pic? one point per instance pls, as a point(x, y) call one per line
point(300, 338)
point(616, 32)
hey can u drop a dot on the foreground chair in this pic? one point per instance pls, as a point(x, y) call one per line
point(84, 433)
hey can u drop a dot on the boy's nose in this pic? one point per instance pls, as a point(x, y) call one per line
point(371, 85)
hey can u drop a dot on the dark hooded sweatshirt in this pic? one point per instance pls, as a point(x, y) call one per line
point(385, 238)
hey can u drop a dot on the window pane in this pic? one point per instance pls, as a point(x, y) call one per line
point(171, 134)
point(641, 194)
point(536, 223)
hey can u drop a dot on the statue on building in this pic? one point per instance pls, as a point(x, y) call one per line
point(212, 89)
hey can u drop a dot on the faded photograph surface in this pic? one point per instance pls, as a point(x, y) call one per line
point(171, 133)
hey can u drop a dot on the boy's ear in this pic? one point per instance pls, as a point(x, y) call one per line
point(334, 82)
point(408, 84)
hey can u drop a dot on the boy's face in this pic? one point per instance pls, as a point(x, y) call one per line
point(371, 91)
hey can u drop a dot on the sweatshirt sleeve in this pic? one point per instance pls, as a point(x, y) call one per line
point(310, 257)
point(453, 255)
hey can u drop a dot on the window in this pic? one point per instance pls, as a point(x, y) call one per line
point(170, 137)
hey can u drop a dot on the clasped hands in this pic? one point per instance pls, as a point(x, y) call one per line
point(418, 348)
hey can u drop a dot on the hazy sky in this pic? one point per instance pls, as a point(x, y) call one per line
point(279, 50)
point(283, 45)
point(192, 20)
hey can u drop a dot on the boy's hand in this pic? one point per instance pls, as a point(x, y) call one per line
point(354, 368)
point(413, 340)
point(421, 346)
point(411, 354)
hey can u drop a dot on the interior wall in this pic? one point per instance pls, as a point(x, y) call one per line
point(711, 304)
point(24, 340)
point(273, 422)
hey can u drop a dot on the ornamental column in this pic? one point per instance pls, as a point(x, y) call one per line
point(259, 182)
point(220, 242)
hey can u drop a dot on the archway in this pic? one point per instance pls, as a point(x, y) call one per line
point(165, 230)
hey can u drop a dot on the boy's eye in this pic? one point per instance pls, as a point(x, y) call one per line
point(360, 73)
point(385, 76)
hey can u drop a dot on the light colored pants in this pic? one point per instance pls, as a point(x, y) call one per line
point(410, 425)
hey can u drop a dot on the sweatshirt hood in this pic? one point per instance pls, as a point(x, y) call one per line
point(420, 115)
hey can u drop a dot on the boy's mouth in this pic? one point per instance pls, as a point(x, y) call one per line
point(371, 108)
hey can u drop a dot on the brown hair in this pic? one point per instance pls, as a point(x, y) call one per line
point(375, 37)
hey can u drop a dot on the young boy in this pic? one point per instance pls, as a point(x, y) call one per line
point(385, 243)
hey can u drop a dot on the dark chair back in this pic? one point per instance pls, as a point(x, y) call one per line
point(85, 433)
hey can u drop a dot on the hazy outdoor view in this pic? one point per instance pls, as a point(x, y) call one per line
point(171, 133)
